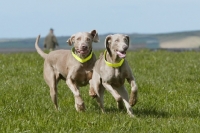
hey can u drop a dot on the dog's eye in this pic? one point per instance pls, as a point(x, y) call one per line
point(88, 39)
point(78, 39)
point(117, 40)
point(125, 40)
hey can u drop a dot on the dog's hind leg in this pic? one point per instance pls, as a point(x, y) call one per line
point(52, 80)
point(100, 96)
point(124, 94)
point(97, 88)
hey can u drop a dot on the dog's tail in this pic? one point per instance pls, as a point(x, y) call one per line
point(40, 52)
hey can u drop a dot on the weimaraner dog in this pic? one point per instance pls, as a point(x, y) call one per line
point(74, 66)
point(110, 72)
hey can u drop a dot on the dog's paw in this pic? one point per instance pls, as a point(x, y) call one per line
point(133, 98)
point(92, 93)
point(132, 102)
point(132, 116)
point(80, 108)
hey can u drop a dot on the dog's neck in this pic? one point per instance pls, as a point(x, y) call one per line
point(113, 61)
point(79, 57)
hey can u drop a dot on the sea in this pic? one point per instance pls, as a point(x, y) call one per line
point(28, 45)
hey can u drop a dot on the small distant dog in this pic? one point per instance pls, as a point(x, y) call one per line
point(75, 66)
point(110, 72)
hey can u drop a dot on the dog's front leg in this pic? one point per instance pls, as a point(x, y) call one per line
point(79, 104)
point(112, 91)
point(134, 89)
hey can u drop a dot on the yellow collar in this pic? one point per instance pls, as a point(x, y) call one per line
point(79, 59)
point(112, 64)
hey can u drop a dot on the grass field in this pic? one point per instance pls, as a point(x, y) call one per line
point(169, 97)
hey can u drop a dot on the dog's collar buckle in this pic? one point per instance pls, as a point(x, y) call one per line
point(80, 59)
point(115, 65)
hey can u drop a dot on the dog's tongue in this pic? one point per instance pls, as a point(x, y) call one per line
point(83, 51)
point(121, 55)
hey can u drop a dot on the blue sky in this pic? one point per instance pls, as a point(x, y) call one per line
point(28, 18)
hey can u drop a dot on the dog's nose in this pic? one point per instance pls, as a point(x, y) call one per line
point(84, 47)
point(125, 47)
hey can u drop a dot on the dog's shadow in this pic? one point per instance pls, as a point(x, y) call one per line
point(151, 113)
point(138, 112)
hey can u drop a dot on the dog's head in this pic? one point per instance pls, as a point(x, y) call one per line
point(83, 42)
point(117, 45)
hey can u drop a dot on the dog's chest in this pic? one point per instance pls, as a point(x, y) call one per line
point(115, 77)
point(82, 77)
point(116, 73)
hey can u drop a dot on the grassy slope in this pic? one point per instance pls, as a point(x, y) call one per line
point(169, 93)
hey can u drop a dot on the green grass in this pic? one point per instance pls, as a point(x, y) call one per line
point(169, 93)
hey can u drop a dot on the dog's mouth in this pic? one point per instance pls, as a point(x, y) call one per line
point(83, 51)
point(121, 54)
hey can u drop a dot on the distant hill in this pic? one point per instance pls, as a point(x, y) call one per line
point(187, 39)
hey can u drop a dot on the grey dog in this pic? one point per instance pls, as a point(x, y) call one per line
point(74, 66)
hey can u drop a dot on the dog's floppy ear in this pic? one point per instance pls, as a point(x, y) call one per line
point(95, 35)
point(107, 43)
point(70, 41)
point(128, 39)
